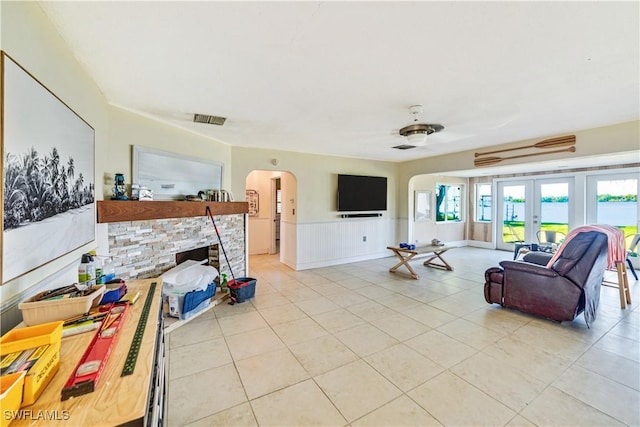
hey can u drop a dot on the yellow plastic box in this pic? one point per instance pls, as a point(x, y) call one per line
point(30, 337)
point(37, 312)
point(11, 396)
point(40, 374)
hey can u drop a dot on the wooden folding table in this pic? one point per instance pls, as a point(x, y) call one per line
point(405, 255)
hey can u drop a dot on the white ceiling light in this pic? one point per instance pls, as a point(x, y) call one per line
point(416, 133)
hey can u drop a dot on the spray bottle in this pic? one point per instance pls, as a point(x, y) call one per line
point(108, 271)
point(224, 286)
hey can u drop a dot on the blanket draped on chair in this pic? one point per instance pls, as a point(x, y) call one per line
point(615, 238)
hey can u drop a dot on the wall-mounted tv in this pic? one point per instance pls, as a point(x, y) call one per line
point(362, 193)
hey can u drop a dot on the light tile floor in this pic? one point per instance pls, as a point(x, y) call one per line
point(356, 345)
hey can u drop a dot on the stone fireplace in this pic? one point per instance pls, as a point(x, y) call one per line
point(148, 248)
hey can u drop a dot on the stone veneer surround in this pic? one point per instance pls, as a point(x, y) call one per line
point(144, 249)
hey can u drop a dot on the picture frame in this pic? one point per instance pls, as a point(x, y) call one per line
point(48, 154)
point(253, 199)
point(422, 205)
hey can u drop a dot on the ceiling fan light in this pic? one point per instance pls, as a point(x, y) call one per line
point(417, 138)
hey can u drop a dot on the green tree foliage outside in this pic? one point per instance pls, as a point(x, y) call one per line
point(513, 231)
point(617, 198)
point(36, 188)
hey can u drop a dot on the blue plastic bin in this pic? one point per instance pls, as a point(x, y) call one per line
point(196, 301)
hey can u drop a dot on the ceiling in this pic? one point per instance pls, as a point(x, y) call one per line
point(337, 78)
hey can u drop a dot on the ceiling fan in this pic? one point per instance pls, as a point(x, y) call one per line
point(416, 133)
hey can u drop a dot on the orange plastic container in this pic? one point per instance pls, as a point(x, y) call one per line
point(11, 396)
point(30, 337)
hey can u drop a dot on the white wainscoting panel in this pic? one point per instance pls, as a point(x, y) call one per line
point(288, 244)
point(346, 240)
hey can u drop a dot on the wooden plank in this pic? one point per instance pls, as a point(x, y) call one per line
point(117, 400)
point(173, 323)
point(129, 210)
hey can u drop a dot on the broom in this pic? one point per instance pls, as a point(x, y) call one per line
point(224, 252)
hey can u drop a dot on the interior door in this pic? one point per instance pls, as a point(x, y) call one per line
point(514, 213)
point(276, 211)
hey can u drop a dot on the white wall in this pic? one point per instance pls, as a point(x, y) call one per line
point(317, 178)
point(30, 39)
point(313, 233)
point(127, 129)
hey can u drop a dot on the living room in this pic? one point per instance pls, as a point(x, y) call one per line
point(317, 236)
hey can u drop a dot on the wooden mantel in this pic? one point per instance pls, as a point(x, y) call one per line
point(128, 210)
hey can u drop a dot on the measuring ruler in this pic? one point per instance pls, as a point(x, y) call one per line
point(86, 374)
point(132, 356)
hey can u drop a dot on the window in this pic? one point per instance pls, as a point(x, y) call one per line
point(483, 202)
point(278, 201)
point(617, 203)
point(449, 203)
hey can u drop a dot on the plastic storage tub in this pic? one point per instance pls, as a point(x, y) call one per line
point(196, 301)
point(37, 312)
point(188, 288)
point(186, 304)
point(10, 396)
point(33, 336)
point(45, 340)
point(113, 292)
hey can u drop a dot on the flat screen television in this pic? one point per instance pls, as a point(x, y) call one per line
point(362, 193)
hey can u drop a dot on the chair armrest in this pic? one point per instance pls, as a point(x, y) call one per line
point(529, 268)
point(540, 258)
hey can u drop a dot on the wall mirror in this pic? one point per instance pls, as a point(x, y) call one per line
point(173, 176)
point(422, 205)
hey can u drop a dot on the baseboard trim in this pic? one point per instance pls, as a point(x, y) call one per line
point(331, 262)
point(479, 244)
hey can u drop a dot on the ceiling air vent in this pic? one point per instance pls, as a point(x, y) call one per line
point(404, 147)
point(211, 120)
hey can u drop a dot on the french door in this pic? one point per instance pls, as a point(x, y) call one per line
point(528, 206)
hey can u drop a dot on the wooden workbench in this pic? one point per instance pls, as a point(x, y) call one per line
point(116, 400)
point(405, 255)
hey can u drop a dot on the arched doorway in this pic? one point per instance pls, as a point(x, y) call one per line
point(272, 214)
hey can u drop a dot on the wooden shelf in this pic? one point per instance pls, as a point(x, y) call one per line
point(128, 210)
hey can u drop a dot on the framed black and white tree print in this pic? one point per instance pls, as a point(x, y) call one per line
point(48, 175)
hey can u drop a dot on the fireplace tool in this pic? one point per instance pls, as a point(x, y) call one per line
point(235, 285)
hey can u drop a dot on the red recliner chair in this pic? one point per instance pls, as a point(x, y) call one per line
point(559, 292)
